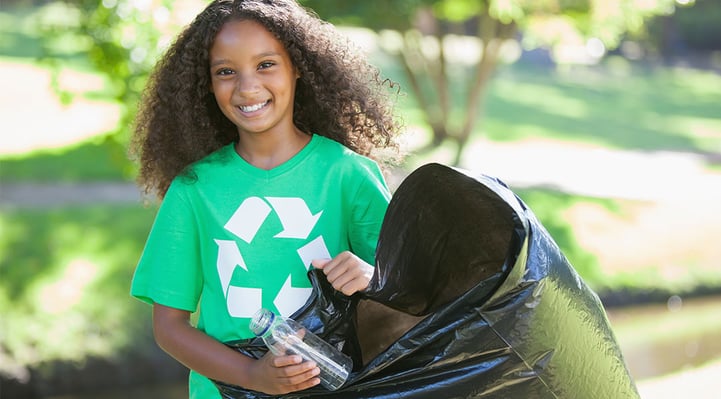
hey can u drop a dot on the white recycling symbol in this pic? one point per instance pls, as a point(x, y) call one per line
point(297, 221)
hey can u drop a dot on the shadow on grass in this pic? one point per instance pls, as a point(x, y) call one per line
point(101, 159)
point(649, 109)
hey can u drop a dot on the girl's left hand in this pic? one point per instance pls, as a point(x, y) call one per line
point(346, 272)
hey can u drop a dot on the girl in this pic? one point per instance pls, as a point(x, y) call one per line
point(256, 131)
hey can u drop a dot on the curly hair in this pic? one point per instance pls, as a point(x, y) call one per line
point(338, 95)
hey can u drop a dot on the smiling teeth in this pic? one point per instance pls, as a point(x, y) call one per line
point(252, 108)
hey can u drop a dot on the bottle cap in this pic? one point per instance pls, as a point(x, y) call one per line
point(261, 322)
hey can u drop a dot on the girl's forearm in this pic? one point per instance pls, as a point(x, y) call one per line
point(198, 351)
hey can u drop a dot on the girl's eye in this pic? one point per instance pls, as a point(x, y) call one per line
point(224, 72)
point(265, 64)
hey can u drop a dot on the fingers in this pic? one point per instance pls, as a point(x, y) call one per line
point(286, 374)
point(285, 361)
point(320, 263)
point(296, 374)
point(346, 272)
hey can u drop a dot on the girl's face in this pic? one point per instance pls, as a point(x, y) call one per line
point(253, 78)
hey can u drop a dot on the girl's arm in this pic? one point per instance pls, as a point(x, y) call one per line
point(209, 357)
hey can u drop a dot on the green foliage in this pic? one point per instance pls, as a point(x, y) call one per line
point(121, 39)
point(457, 10)
point(373, 14)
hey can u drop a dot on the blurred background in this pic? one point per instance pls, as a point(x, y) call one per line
point(603, 115)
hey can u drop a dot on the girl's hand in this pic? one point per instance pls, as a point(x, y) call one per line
point(346, 272)
point(277, 375)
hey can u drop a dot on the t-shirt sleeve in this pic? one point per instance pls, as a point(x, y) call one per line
point(369, 207)
point(169, 271)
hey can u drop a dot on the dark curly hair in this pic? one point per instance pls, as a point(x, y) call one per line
point(339, 94)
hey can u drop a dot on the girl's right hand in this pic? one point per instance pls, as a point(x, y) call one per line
point(278, 375)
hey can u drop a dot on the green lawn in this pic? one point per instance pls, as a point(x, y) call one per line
point(66, 281)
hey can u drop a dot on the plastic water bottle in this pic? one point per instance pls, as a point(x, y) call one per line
point(288, 337)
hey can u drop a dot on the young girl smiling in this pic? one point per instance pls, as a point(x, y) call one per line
point(257, 131)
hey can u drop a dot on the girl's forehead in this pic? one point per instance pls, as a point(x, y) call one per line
point(245, 35)
point(246, 29)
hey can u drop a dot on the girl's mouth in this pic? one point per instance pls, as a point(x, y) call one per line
point(253, 108)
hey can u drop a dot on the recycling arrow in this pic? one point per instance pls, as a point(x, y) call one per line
point(243, 301)
point(248, 218)
point(290, 298)
point(229, 258)
point(295, 216)
point(315, 249)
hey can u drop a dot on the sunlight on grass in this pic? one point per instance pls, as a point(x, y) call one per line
point(544, 98)
point(590, 105)
point(704, 131)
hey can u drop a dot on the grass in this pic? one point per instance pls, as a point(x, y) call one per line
point(98, 159)
point(66, 280)
point(645, 108)
point(546, 205)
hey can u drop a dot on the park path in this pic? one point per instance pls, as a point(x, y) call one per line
point(660, 177)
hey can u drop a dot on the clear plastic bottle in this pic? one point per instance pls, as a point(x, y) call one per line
point(286, 336)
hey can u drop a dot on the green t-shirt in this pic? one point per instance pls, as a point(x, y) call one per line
point(230, 238)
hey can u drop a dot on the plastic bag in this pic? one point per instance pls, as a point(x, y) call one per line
point(471, 298)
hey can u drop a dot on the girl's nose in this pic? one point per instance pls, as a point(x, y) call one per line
point(247, 83)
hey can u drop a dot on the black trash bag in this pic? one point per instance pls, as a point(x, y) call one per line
point(471, 298)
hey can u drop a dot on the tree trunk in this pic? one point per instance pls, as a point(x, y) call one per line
point(411, 57)
point(492, 34)
point(436, 105)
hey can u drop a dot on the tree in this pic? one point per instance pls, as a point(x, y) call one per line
point(427, 27)
point(122, 40)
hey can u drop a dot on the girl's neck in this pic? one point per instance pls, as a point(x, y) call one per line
point(267, 150)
